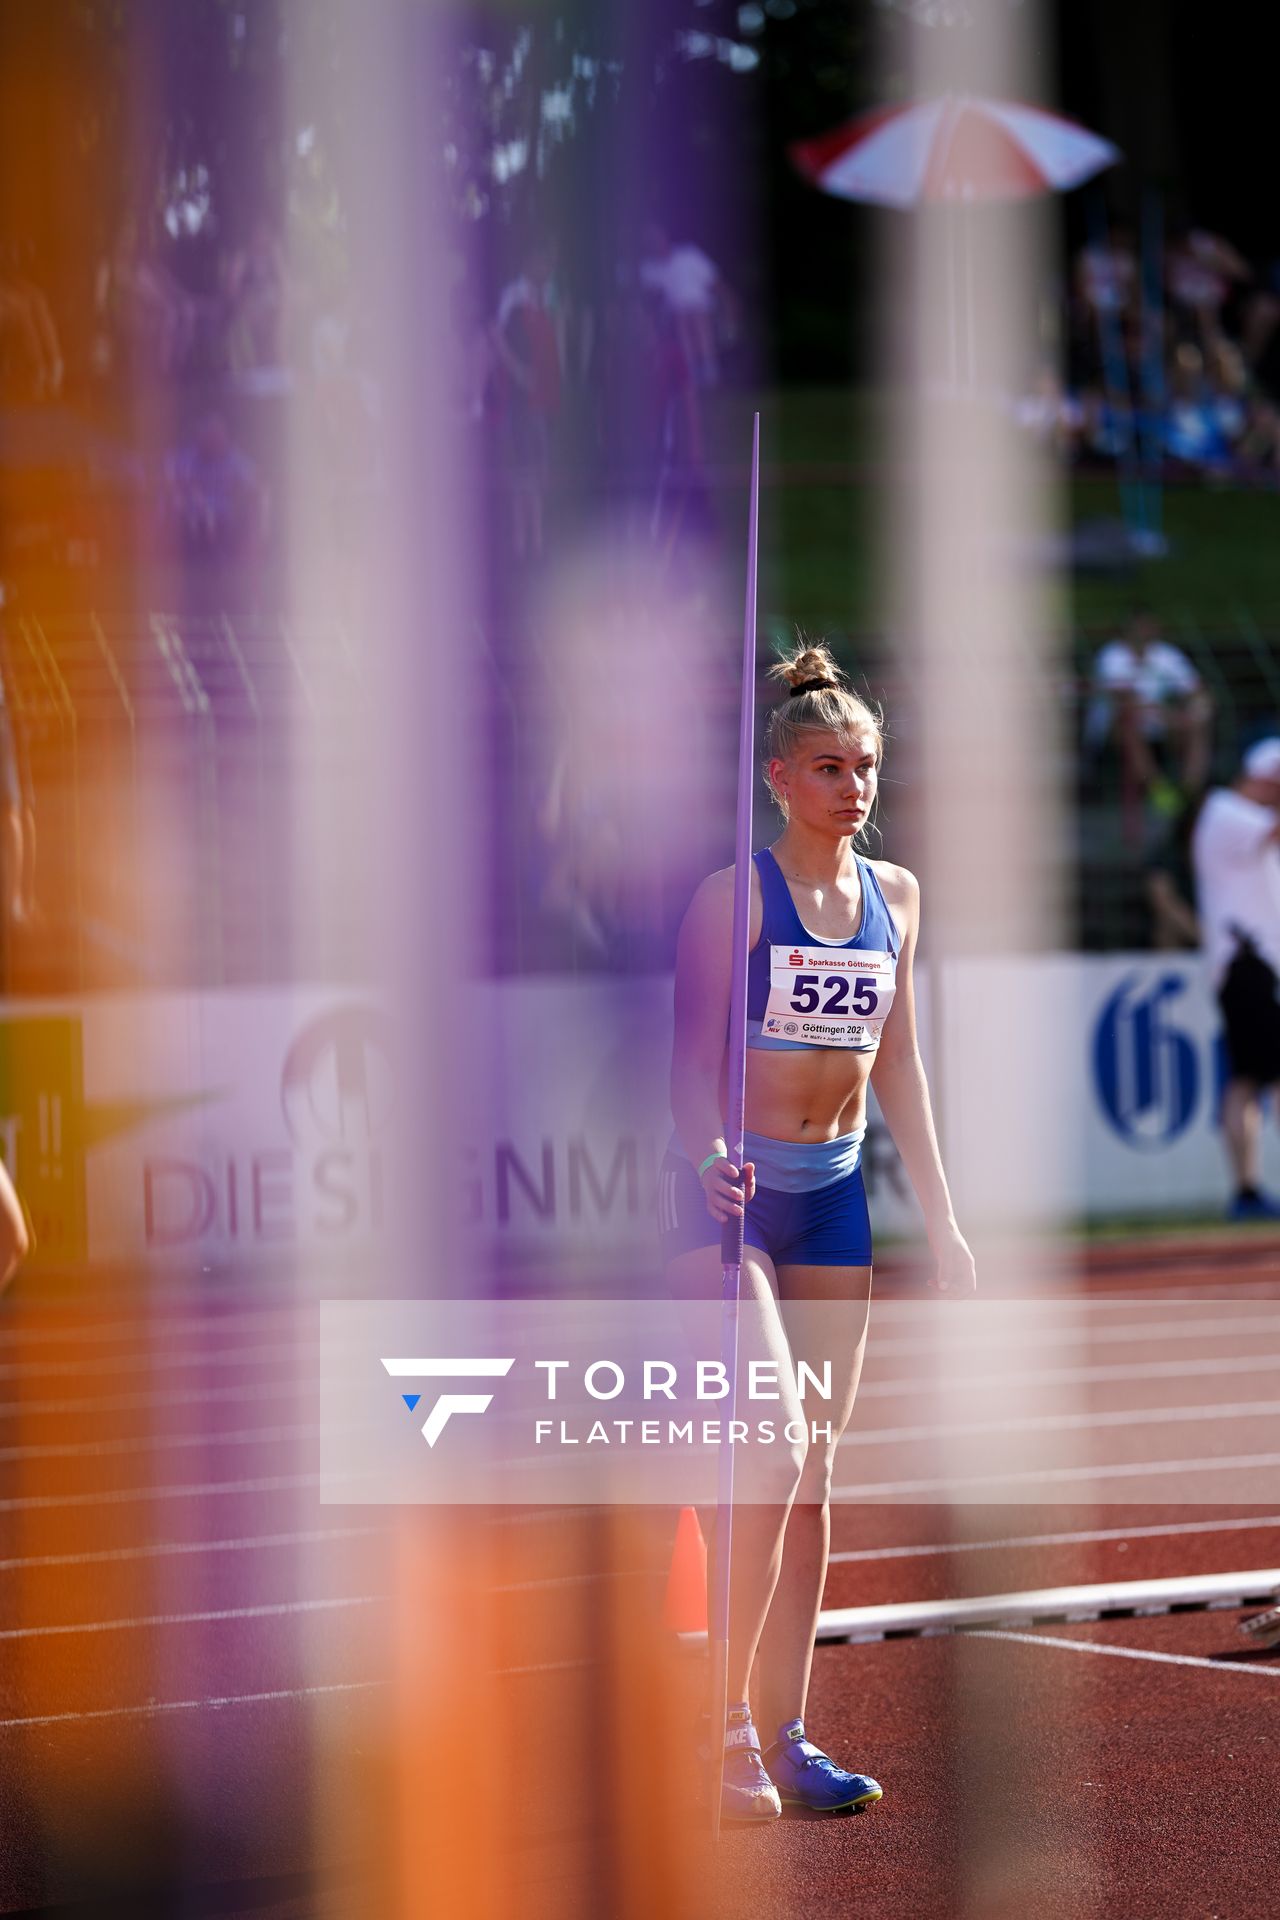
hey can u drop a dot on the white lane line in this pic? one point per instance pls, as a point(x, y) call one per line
point(150, 1359)
point(144, 1323)
point(1023, 1377)
point(1083, 1302)
point(162, 1549)
point(162, 1442)
point(1065, 1422)
point(1162, 1532)
point(578, 1580)
point(546, 1666)
point(267, 1611)
point(539, 1516)
point(940, 1337)
point(1124, 1653)
point(121, 1496)
point(1138, 1470)
point(870, 1389)
point(150, 1707)
point(136, 1402)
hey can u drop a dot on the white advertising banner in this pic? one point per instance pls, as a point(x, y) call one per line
point(214, 1126)
point(235, 1124)
point(1152, 1068)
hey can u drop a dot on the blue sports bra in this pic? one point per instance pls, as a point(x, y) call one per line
point(803, 991)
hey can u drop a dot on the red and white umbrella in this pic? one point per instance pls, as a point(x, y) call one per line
point(954, 148)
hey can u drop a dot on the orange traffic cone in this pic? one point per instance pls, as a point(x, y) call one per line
point(685, 1610)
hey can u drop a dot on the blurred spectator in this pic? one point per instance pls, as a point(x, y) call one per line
point(695, 294)
point(1248, 421)
point(1169, 883)
point(1052, 415)
point(1186, 383)
point(476, 367)
point(1106, 430)
point(1149, 702)
point(1195, 423)
point(1260, 314)
point(582, 863)
point(141, 306)
point(256, 288)
point(1200, 270)
point(1236, 849)
point(1106, 276)
point(528, 342)
point(214, 498)
point(31, 365)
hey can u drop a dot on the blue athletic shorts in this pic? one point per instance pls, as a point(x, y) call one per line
point(823, 1226)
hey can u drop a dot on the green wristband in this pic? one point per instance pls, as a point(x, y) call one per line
point(710, 1162)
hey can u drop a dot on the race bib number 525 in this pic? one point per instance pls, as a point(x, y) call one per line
point(829, 997)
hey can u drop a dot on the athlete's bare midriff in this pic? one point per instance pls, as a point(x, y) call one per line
point(813, 1095)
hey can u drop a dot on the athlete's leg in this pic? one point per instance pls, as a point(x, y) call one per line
point(765, 1477)
point(1242, 1131)
point(785, 1653)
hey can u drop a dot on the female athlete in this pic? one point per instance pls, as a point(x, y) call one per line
point(829, 1004)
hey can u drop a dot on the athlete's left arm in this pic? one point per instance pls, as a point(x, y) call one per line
point(903, 1092)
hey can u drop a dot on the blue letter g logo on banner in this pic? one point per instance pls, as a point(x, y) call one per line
point(1146, 1070)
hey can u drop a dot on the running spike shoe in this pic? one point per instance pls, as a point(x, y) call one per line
point(747, 1792)
point(1254, 1206)
point(807, 1777)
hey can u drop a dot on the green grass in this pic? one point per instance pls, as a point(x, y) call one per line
point(820, 540)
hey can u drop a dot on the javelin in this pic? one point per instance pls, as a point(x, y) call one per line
point(735, 1125)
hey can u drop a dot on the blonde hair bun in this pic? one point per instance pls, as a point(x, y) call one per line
point(808, 662)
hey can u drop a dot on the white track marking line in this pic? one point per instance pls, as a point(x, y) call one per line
point(136, 1402)
point(945, 1340)
point(1083, 1302)
point(268, 1610)
point(160, 1549)
point(522, 1516)
point(1123, 1653)
point(577, 1580)
point(145, 1323)
point(1137, 1470)
point(149, 1359)
point(870, 1389)
point(1064, 1422)
point(874, 1389)
point(162, 1442)
point(1162, 1532)
point(151, 1707)
point(546, 1666)
point(121, 1496)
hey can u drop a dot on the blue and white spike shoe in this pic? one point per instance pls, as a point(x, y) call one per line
point(807, 1777)
point(747, 1792)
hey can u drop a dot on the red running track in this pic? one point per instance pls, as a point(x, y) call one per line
point(179, 1616)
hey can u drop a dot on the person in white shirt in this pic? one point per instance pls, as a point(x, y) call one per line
point(692, 288)
point(1236, 853)
point(1150, 699)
